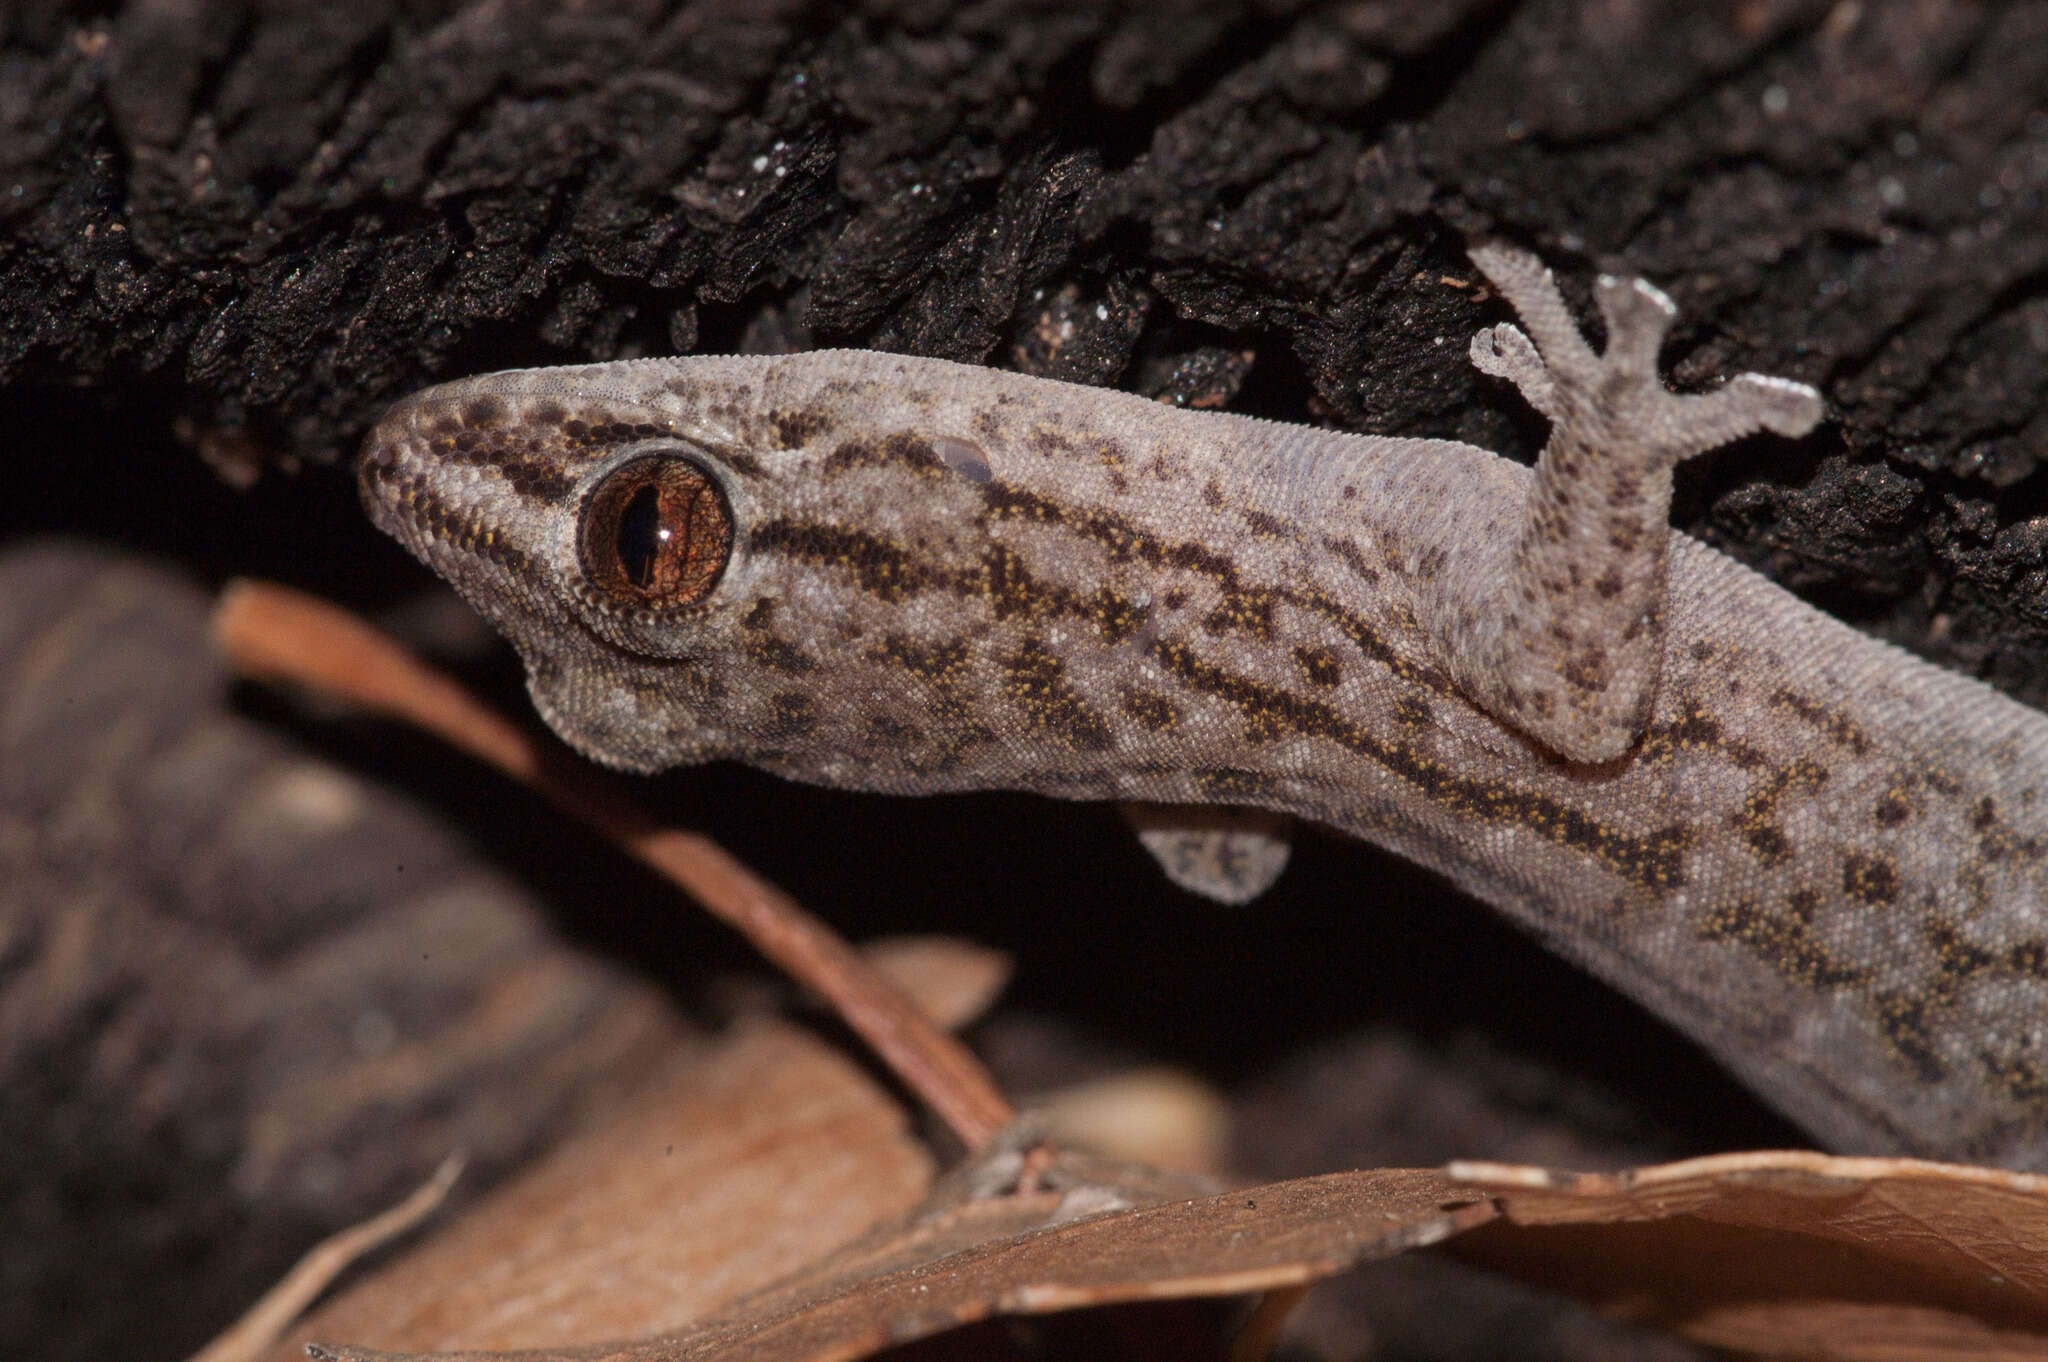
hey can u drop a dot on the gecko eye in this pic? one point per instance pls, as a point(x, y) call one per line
point(655, 532)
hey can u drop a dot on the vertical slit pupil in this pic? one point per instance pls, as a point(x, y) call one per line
point(639, 537)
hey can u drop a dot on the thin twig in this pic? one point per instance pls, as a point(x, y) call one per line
point(264, 1323)
point(274, 633)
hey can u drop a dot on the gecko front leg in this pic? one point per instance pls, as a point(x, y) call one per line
point(1559, 629)
point(1562, 634)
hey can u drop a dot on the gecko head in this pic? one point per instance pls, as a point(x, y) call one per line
point(672, 576)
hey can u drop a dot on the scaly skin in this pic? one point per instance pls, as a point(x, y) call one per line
point(1815, 854)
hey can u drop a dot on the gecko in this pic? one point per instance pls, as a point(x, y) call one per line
point(1823, 859)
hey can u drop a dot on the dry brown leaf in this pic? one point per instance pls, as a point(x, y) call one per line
point(1788, 1254)
point(959, 1260)
point(733, 1173)
point(952, 981)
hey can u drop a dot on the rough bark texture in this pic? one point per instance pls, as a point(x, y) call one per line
point(253, 225)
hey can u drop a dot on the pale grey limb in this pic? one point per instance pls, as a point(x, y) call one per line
point(1231, 855)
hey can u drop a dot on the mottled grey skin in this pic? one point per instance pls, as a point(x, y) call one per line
point(1818, 856)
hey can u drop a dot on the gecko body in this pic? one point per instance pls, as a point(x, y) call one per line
point(1825, 860)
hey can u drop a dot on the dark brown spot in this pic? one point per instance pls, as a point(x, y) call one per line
point(764, 647)
point(408, 499)
point(1352, 557)
point(742, 463)
point(1893, 809)
point(1034, 680)
point(791, 714)
point(1906, 1023)
point(1265, 526)
point(1412, 711)
point(1240, 607)
point(1757, 823)
point(1150, 709)
point(1046, 440)
point(483, 410)
point(1697, 730)
point(535, 464)
point(1318, 666)
point(882, 568)
point(887, 731)
point(1694, 728)
point(794, 429)
point(1228, 785)
point(1587, 671)
point(1830, 722)
point(902, 449)
point(1869, 879)
point(1368, 640)
point(942, 666)
point(1014, 593)
point(1784, 940)
point(1961, 959)
point(943, 663)
point(1996, 839)
point(2022, 1079)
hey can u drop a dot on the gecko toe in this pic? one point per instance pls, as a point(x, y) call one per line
point(1504, 351)
point(1744, 405)
point(1637, 316)
point(1531, 290)
point(1783, 406)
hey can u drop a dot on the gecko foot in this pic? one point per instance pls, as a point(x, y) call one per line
point(1504, 351)
point(1617, 395)
point(1568, 645)
point(1231, 855)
